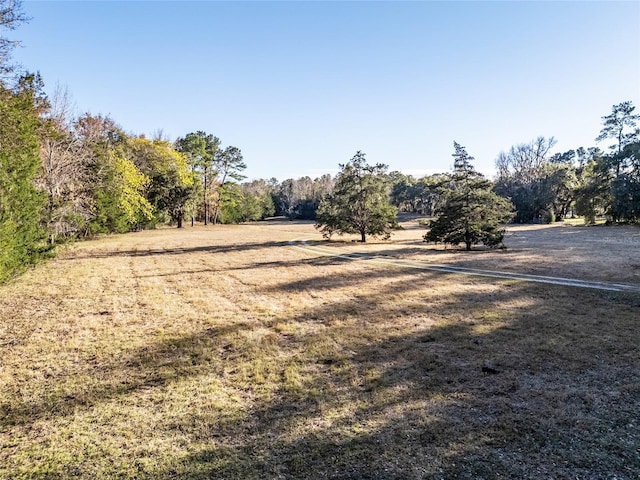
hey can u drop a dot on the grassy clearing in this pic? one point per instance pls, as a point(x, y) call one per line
point(224, 353)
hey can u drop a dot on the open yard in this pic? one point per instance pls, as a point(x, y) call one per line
point(226, 352)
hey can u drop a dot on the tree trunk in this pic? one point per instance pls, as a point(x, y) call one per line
point(468, 243)
point(204, 197)
point(363, 237)
point(179, 221)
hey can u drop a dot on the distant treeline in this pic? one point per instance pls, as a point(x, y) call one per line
point(542, 186)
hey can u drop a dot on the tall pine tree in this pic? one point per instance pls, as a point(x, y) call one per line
point(472, 212)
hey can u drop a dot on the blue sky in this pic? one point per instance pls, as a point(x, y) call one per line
point(300, 86)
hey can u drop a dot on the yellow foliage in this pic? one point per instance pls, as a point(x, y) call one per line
point(130, 186)
point(159, 157)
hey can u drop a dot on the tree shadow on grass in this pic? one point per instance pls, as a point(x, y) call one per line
point(146, 252)
point(99, 380)
point(285, 264)
point(532, 398)
point(526, 382)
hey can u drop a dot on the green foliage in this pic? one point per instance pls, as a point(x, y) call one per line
point(245, 203)
point(593, 194)
point(559, 183)
point(545, 194)
point(215, 168)
point(117, 186)
point(472, 212)
point(232, 204)
point(200, 150)
point(21, 205)
point(620, 125)
point(229, 164)
point(257, 200)
point(300, 198)
point(549, 216)
point(250, 208)
point(416, 196)
point(171, 181)
point(129, 187)
point(619, 171)
point(359, 203)
point(625, 188)
point(120, 204)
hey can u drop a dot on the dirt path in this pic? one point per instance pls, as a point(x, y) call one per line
point(425, 265)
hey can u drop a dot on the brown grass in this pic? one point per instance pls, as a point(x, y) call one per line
point(224, 353)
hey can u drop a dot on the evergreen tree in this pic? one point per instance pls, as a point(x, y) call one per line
point(201, 150)
point(620, 125)
point(622, 162)
point(22, 240)
point(359, 203)
point(593, 193)
point(472, 212)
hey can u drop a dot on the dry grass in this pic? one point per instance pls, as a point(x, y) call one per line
point(225, 353)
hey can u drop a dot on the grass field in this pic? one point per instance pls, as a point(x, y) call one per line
point(223, 352)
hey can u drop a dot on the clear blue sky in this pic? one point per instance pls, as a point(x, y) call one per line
point(300, 86)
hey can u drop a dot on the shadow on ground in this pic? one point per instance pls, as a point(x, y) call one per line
point(537, 397)
point(521, 381)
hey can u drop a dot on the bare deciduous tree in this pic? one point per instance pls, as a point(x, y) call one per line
point(63, 175)
point(11, 16)
point(524, 161)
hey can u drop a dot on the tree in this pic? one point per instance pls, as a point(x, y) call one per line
point(416, 196)
point(11, 16)
point(559, 183)
point(201, 150)
point(232, 206)
point(22, 240)
point(524, 178)
point(63, 174)
point(621, 162)
point(228, 163)
point(523, 161)
point(127, 188)
point(21, 205)
point(117, 186)
point(171, 182)
point(472, 212)
point(300, 198)
point(620, 125)
point(625, 188)
point(257, 200)
point(402, 191)
point(359, 202)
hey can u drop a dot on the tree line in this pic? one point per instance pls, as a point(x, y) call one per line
point(66, 177)
point(545, 187)
point(532, 185)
